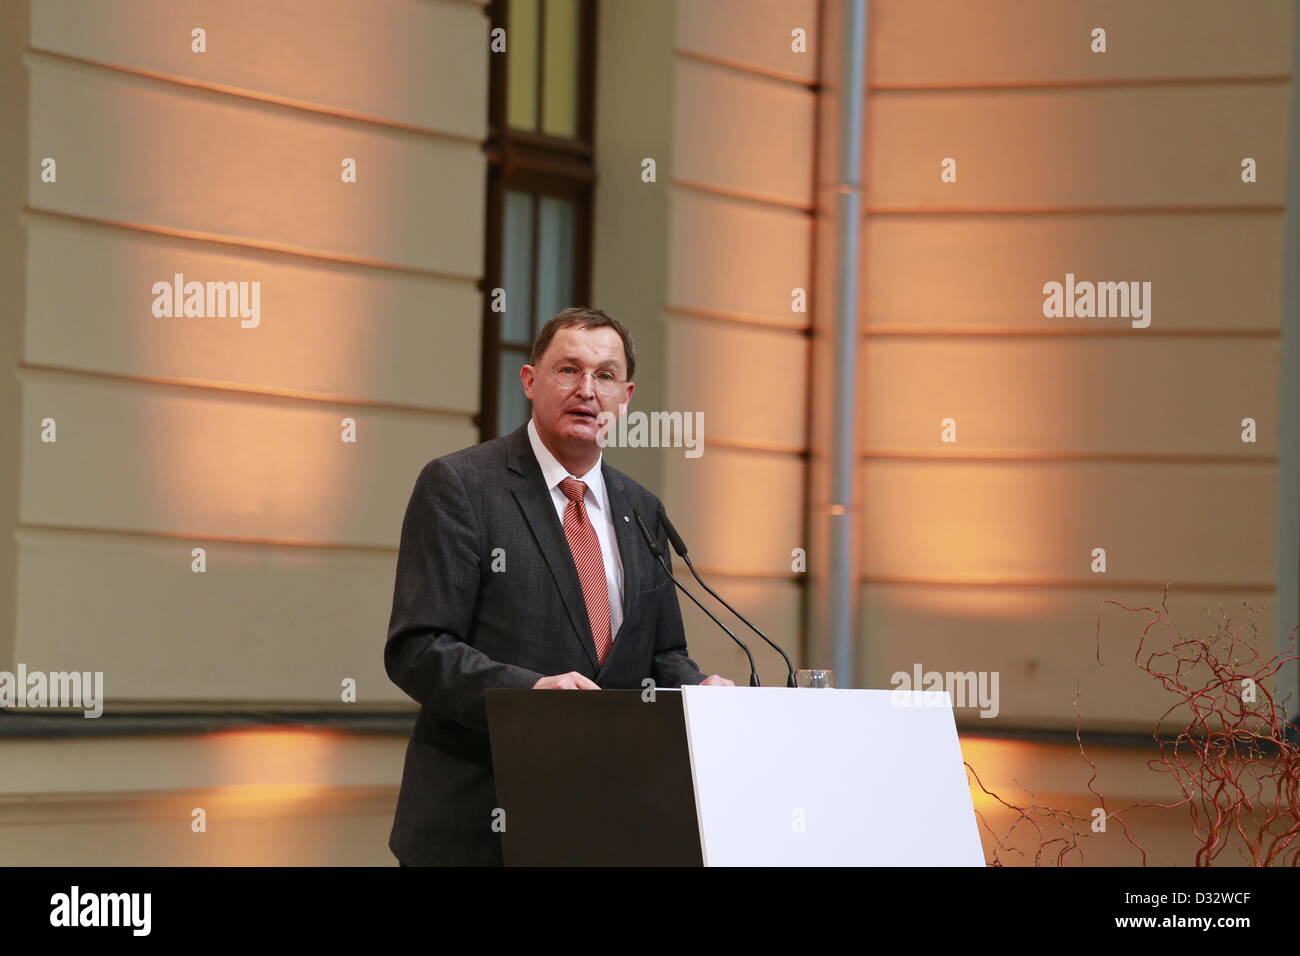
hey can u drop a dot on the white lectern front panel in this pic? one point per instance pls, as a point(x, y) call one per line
point(815, 777)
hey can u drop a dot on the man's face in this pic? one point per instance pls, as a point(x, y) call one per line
point(567, 415)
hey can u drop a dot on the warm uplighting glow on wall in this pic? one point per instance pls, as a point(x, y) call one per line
point(291, 758)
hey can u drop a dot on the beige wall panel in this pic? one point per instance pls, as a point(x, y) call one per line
point(740, 132)
point(198, 461)
point(255, 826)
point(1056, 148)
point(737, 257)
point(1207, 270)
point(773, 604)
point(324, 329)
point(138, 151)
point(132, 608)
point(1056, 775)
point(272, 796)
point(1040, 521)
point(1157, 396)
point(1041, 641)
point(754, 33)
point(956, 43)
point(260, 757)
point(750, 383)
point(1050, 767)
point(738, 511)
point(381, 59)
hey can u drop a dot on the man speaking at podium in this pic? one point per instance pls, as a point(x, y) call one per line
point(521, 565)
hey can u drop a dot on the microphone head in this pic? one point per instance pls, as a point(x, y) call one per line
point(674, 538)
point(645, 533)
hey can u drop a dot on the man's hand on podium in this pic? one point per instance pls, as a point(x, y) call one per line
point(575, 681)
point(570, 681)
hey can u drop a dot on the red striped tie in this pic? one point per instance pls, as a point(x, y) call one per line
point(585, 547)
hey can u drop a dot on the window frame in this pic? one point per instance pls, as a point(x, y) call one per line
point(541, 165)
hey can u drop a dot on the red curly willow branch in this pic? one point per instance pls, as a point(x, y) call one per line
point(1225, 740)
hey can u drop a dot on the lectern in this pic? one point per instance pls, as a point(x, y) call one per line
point(731, 776)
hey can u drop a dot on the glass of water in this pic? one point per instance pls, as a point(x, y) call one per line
point(815, 678)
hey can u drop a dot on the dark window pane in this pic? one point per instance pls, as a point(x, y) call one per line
point(554, 257)
point(517, 269)
point(513, 406)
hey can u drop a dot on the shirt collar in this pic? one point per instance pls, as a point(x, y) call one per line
point(554, 473)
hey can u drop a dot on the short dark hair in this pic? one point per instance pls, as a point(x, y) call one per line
point(585, 318)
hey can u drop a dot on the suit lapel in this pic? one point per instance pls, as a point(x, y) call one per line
point(539, 510)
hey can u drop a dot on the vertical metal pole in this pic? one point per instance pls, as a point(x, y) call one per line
point(1287, 564)
point(844, 515)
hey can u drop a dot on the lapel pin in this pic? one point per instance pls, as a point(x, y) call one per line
point(626, 518)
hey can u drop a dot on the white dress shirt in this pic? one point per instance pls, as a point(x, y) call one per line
point(598, 512)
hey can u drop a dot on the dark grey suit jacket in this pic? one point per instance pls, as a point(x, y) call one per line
point(459, 627)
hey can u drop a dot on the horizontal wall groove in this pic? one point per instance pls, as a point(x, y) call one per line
point(711, 572)
point(744, 195)
point(990, 209)
point(57, 810)
point(757, 445)
point(36, 533)
point(191, 387)
point(300, 253)
point(1077, 83)
point(255, 99)
point(1048, 457)
point(740, 66)
point(1105, 583)
point(921, 331)
point(1084, 83)
point(1134, 739)
point(739, 318)
point(195, 719)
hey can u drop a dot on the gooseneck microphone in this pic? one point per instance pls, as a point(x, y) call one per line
point(658, 552)
point(680, 547)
